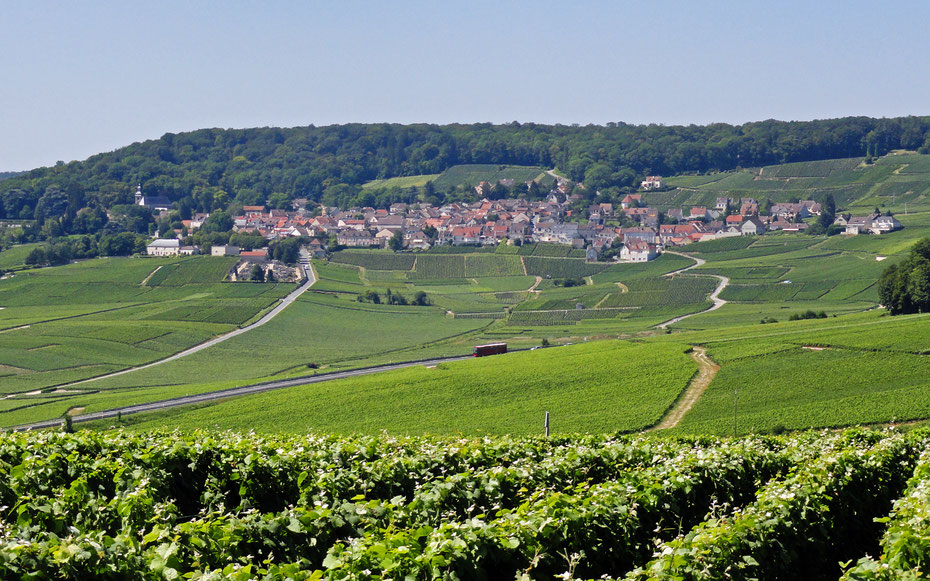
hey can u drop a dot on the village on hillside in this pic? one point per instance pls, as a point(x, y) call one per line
point(631, 231)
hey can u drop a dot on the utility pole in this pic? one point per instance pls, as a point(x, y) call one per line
point(734, 413)
point(547, 424)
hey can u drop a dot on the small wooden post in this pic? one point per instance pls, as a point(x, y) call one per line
point(547, 424)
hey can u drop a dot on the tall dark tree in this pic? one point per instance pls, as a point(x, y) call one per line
point(396, 243)
point(827, 211)
point(905, 288)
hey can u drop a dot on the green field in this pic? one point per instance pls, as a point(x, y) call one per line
point(65, 324)
point(74, 322)
point(401, 182)
point(471, 175)
point(612, 386)
point(477, 173)
point(15, 256)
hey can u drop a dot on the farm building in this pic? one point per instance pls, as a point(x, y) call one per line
point(164, 247)
point(884, 224)
point(872, 224)
point(752, 227)
point(638, 252)
point(355, 238)
point(224, 250)
point(254, 256)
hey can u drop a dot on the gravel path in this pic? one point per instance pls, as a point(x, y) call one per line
point(707, 369)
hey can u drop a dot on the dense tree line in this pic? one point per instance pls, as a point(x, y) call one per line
point(213, 169)
point(905, 287)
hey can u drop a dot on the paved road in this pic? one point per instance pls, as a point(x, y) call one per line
point(285, 302)
point(558, 179)
point(215, 395)
point(714, 296)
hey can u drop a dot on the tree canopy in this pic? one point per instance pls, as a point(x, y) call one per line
point(905, 287)
point(218, 169)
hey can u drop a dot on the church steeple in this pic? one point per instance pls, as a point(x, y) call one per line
point(139, 195)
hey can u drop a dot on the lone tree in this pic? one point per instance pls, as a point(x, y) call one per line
point(827, 211)
point(396, 243)
point(905, 287)
point(257, 274)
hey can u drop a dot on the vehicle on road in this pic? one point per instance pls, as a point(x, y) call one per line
point(490, 349)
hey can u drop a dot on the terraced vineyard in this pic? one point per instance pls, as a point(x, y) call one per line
point(889, 183)
point(226, 505)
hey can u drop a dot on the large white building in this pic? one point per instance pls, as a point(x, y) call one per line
point(164, 247)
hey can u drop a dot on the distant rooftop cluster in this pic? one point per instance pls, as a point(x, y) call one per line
point(633, 229)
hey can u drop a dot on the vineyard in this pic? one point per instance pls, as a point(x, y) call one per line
point(477, 265)
point(439, 266)
point(227, 506)
point(375, 260)
point(562, 316)
point(561, 267)
point(86, 319)
point(192, 271)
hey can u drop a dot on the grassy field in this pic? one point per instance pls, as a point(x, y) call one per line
point(598, 387)
point(477, 173)
point(15, 257)
point(474, 298)
point(472, 175)
point(401, 182)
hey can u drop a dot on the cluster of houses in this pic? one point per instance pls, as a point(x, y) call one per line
point(645, 232)
point(872, 224)
point(241, 270)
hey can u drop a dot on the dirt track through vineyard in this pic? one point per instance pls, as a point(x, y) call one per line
point(707, 369)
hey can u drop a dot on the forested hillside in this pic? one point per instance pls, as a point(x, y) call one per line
point(208, 169)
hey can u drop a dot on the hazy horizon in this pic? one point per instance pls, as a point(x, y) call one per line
point(95, 77)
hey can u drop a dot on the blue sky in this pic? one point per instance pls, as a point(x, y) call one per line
point(81, 78)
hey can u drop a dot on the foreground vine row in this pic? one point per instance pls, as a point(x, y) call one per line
point(232, 506)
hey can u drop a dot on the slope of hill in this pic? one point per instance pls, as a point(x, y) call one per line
point(374, 307)
point(890, 182)
point(330, 164)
